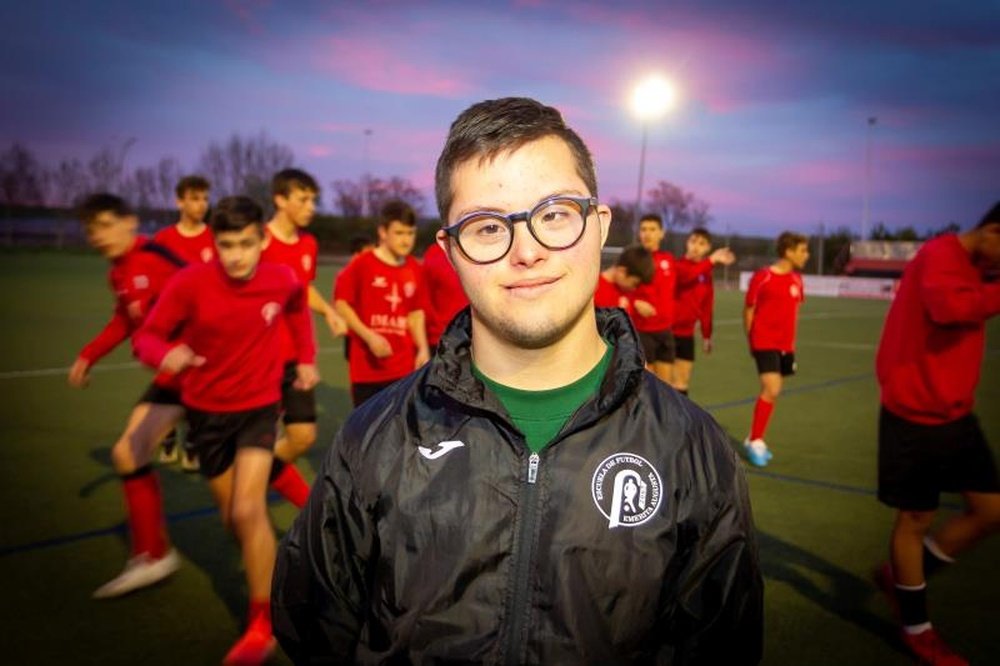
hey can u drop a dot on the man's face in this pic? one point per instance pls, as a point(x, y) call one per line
point(532, 297)
point(697, 247)
point(397, 238)
point(299, 206)
point(651, 235)
point(193, 205)
point(112, 235)
point(798, 255)
point(988, 245)
point(239, 251)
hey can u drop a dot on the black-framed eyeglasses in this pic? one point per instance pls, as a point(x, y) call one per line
point(557, 223)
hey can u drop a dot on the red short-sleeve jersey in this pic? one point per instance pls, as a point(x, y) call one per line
point(775, 299)
point(659, 293)
point(301, 257)
point(445, 296)
point(382, 296)
point(197, 249)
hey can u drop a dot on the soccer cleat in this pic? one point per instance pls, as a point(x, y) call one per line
point(140, 571)
point(189, 460)
point(930, 650)
point(254, 647)
point(757, 452)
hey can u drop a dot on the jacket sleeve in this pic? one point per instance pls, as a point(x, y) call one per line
point(719, 617)
point(319, 592)
point(951, 298)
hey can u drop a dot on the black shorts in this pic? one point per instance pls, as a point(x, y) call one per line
point(216, 436)
point(361, 391)
point(160, 395)
point(658, 346)
point(917, 462)
point(297, 406)
point(772, 360)
point(685, 347)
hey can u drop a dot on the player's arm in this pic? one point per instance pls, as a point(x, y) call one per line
point(951, 299)
point(320, 591)
point(113, 334)
point(418, 331)
point(719, 619)
point(334, 321)
point(376, 342)
point(153, 344)
point(300, 325)
point(706, 318)
point(643, 308)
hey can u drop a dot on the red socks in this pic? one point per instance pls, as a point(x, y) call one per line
point(259, 616)
point(144, 504)
point(761, 415)
point(285, 478)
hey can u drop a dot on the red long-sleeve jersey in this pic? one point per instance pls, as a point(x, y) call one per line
point(694, 297)
point(608, 295)
point(197, 249)
point(301, 256)
point(235, 325)
point(931, 351)
point(445, 296)
point(775, 299)
point(659, 293)
point(136, 278)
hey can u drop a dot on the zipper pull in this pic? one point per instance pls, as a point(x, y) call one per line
point(533, 468)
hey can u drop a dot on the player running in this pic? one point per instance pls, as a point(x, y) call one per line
point(929, 439)
point(139, 271)
point(694, 300)
point(770, 316)
point(230, 314)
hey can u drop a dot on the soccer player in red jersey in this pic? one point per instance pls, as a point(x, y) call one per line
point(191, 240)
point(770, 315)
point(445, 296)
point(294, 194)
point(633, 267)
point(381, 296)
point(928, 365)
point(139, 271)
point(694, 299)
point(653, 303)
point(229, 315)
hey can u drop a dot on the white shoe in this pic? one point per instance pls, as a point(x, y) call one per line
point(757, 451)
point(168, 454)
point(189, 461)
point(140, 571)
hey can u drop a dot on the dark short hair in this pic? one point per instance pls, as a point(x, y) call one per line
point(489, 128)
point(992, 215)
point(652, 217)
point(193, 182)
point(286, 180)
point(397, 211)
point(102, 202)
point(637, 262)
point(235, 214)
point(789, 240)
point(703, 232)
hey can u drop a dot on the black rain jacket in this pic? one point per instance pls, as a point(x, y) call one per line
point(434, 536)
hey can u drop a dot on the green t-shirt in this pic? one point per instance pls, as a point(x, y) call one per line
point(540, 415)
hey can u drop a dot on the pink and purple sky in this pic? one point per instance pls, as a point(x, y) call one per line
point(770, 130)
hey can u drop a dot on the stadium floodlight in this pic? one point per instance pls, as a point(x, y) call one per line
point(652, 98)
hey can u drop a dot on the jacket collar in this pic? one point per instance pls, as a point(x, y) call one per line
point(450, 370)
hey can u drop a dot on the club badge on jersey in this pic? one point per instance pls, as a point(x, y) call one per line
point(627, 490)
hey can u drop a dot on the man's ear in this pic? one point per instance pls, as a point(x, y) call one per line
point(604, 216)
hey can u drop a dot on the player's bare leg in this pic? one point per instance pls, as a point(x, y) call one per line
point(682, 374)
point(296, 441)
point(241, 494)
point(664, 371)
point(980, 519)
point(152, 559)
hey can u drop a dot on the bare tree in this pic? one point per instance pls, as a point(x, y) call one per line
point(380, 191)
point(244, 165)
point(107, 166)
point(22, 178)
point(678, 207)
point(168, 172)
point(68, 183)
point(348, 197)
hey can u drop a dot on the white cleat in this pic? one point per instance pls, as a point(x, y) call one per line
point(140, 571)
point(189, 461)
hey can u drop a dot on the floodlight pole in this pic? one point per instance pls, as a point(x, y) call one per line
point(365, 178)
point(868, 178)
point(642, 173)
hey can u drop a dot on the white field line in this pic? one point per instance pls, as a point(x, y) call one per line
point(103, 367)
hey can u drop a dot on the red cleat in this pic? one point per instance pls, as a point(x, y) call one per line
point(929, 649)
point(254, 647)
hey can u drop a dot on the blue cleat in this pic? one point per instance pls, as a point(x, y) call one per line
point(757, 452)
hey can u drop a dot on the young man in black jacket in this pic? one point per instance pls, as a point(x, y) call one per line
point(532, 495)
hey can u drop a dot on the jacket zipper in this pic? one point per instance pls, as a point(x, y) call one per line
point(522, 561)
